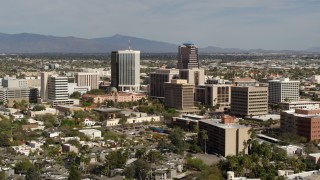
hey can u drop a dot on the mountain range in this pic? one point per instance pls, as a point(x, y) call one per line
point(36, 43)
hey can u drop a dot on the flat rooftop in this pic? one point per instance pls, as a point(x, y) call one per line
point(217, 123)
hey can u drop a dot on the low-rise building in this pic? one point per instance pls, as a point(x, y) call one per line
point(300, 105)
point(302, 122)
point(116, 97)
point(132, 120)
point(91, 133)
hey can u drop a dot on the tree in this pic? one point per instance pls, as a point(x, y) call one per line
point(123, 121)
point(154, 156)
point(196, 164)
point(39, 108)
point(33, 173)
point(142, 169)
point(75, 95)
point(2, 175)
point(74, 174)
point(177, 140)
point(22, 166)
point(204, 137)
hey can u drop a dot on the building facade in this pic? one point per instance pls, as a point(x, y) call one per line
point(58, 88)
point(300, 105)
point(250, 100)
point(225, 138)
point(283, 90)
point(157, 80)
point(213, 95)
point(193, 76)
point(10, 95)
point(125, 70)
point(179, 95)
point(87, 79)
point(188, 56)
point(302, 122)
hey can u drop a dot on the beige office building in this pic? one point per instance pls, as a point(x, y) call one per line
point(87, 79)
point(214, 95)
point(193, 76)
point(251, 100)
point(225, 138)
point(179, 94)
point(157, 80)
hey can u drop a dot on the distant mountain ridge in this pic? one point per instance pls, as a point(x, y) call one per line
point(36, 43)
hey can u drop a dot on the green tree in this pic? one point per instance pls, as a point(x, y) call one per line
point(75, 95)
point(177, 140)
point(123, 121)
point(196, 164)
point(33, 173)
point(74, 174)
point(154, 156)
point(2, 175)
point(204, 137)
point(22, 166)
point(39, 108)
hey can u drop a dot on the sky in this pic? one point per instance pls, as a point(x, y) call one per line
point(245, 24)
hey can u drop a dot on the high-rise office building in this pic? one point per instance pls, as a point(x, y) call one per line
point(125, 70)
point(157, 80)
point(250, 100)
point(87, 79)
point(188, 56)
point(283, 90)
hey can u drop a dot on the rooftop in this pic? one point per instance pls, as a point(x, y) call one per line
point(217, 123)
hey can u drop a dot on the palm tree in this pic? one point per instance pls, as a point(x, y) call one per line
point(204, 137)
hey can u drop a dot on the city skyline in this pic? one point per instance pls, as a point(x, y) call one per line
point(248, 24)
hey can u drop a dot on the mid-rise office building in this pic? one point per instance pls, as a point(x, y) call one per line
point(244, 82)
point(87, 79)
point(11, 95)
point(214, 95)
point(250, 100)
point(58, 88)
point(283, 90)
point(301, 122)
point(125, 70)
point(157, 80)
point(44, 85)
point(193, 76)
point(224, 137)
point(12, 82)
point(179, 95)
point(188, 56)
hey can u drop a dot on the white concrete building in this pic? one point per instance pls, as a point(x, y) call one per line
point(133, 120)
point(315, 79)
point(73, 87)
point(91, 133)
point(300, 105)
point(283, 90)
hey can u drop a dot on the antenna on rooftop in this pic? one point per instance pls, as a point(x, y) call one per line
point(129, 45)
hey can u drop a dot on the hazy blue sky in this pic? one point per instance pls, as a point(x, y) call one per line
point(247, 24)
